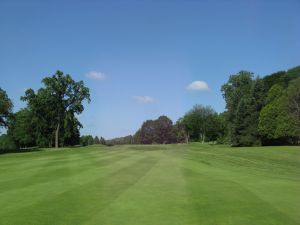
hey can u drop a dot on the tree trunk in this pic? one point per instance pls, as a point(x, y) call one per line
point(203, 137)
point(56, 135)
point(187, 137)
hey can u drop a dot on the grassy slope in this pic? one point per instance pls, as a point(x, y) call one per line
point(140, 185)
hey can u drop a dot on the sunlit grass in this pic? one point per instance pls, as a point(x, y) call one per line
point(157, 184)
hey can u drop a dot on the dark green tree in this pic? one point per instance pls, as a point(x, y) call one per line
point(86, 140)
point(7, 144)
point(6, 106)
point(96, 140)
point(22, 129)
point(70, 130)
point(244, 99)
point(293, 106)
point(279, 121)
point(137, 137)
point(102, 141)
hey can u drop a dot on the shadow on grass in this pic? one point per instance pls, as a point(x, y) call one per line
point(18, 150)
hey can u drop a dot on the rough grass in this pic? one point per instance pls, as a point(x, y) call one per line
point(158, 184)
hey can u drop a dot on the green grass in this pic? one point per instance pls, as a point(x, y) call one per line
point(151, 185)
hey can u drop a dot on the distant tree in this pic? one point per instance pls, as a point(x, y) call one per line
point(6, 106)
point(137, 137)
point(102, 141)
point(126, 140)
point(159, 131)
point(198, 122)
point(148, 132)
point(86, 140)
point(96, 140)
point(163, 133)
point(215, 128)
point(180, 131)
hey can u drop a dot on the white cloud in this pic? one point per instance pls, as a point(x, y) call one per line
point(197, 86)
point(143, 99)
point(96, 75)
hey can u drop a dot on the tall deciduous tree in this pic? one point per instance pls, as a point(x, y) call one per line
point(244, 99)
point(60, 97)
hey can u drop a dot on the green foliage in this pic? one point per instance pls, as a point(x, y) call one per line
point(258, 111)
point(102, 141)
point(223, 137)
point(202, 123)
point(6, 143)
point(280, 118)
point(293, 105)
point(180, 131)
point(97, 140)
point(22, 128)
point(245, 127)
point(54, 108)
point(70, 130)
point(137, 137)
point(6, 106)
point(244, 99)
point(86, 140)
point(119, 141)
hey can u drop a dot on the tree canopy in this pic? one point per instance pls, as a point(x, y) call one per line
point(55, 106)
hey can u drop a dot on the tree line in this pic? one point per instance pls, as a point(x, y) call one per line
point(201, 123)
point(263, 111)
point(259, 111)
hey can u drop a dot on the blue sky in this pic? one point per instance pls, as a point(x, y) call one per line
point(139, 57)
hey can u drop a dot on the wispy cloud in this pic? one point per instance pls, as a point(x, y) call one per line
point(96, 75)
point(197, 86)
point(143, 99)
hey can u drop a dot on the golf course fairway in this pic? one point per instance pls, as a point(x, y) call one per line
point(151, 185)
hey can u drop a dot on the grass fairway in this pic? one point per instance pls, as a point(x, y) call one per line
point(151, 185)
